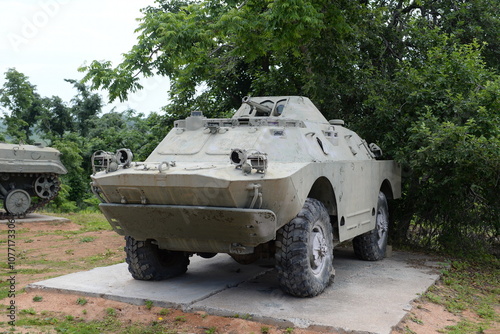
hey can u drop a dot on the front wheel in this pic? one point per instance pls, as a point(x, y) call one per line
point(147, 262)
point(372, 245)
point(304, 251)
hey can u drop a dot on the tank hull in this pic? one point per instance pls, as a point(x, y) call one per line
point(184, 210)
point(30, 159)
point(28, 178)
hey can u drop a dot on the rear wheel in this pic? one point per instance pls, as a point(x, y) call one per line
point(371, 246)
point(149, 263)
point(304, 251)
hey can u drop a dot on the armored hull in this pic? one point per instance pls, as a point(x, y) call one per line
point(233, 185)
point(29, 178)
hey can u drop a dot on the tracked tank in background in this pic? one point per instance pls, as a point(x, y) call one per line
point(275, 180)
point(29, 178)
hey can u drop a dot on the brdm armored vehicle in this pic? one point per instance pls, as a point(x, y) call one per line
point(275, 180)
point(29, 178)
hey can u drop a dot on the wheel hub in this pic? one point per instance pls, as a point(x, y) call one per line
point(319, 251)
point(382, 226)
point(17, 202)
point(46, 186)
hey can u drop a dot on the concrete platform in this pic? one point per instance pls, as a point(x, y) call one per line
point(38, 218)
point(366, 297)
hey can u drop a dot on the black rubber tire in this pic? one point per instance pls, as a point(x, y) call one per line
point(371, 246)
point(300, 273)
point(146, 262)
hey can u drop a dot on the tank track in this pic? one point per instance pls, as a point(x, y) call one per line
point(4, 215)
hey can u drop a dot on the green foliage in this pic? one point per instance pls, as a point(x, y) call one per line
point(165, 311)
point(23, 105)
point(75, 183)
point(28, 311)
point(87, 239)
point(211, 330)
point(111, 312)
point(81, 301)
point(149, 304)
point(77, 130)
point(419, 72)
point(56, 119)
point(447, 135)
point(86, 106)
point(418, 77)
point(472, 286)
point(180, 318)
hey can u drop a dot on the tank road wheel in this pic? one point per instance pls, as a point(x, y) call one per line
point(304, 251)
point(46, 186)
point(147, 262)
point(371, 246)
point(17, 202)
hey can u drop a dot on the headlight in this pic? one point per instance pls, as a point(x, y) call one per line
point(248, 160)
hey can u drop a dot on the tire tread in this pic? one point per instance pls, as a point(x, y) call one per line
point(292, 263)
point(146, 262)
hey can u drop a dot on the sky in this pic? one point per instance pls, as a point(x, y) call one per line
point(47, 40)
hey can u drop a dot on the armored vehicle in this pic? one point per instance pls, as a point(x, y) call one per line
point(276, 179)
point(29, 178)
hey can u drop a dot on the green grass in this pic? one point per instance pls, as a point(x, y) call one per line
point(148, 304)
point(165, 311)
point(180, 318)
point(102, 258)
point(465, 327)
point(90, 221)
point(81, 301)
point(4, 287)
point(70, 324)
point(111, 312)
point(28, 311)
point(472, 286)
point(87, 239)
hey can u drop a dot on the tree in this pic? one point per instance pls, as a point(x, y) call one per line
point(56, 119)
point(85, 107)
point(75, 184)
point(225, 50)
point(417, 76)
point(19, 97)
point(113, 131)
point(441, 120)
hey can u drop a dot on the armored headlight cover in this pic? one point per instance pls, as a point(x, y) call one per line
point(238, 157)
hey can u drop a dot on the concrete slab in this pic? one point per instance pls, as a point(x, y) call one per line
point(38, 218)
point(205, 277)
point(366, 297)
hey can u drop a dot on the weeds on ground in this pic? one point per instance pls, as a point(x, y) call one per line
point(111, 312)
point(148, 304)
point(81, 301)
point(469, 285)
